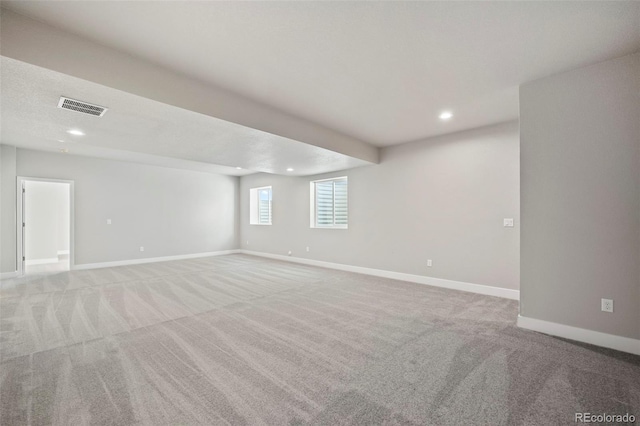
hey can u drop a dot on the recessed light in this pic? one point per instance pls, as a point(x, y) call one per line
point(289, 169)
point(76, 132)
point(64, 150)
point(239, 168)
point(61, 141)
point(445, 115)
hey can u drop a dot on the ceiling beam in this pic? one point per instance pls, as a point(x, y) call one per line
point(30, 41)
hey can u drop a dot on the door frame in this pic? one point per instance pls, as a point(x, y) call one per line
point(20, 181)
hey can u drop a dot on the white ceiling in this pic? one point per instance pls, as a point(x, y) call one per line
point(143, 130)
point(378, 71)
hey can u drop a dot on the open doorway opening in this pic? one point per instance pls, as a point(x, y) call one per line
point(45, 240)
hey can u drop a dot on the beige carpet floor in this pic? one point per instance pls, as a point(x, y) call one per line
point(244, 340)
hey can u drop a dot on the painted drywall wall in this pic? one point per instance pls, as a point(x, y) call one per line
point(47, 220)
point(580, 159)
point(442, 199)
point(167, 211)
point(7, 209)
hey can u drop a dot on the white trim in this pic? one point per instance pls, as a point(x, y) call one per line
point(19, 198)
point(313, 219)
point(7, 275)
point(84, 266)
point(61, 252)
point(346, 177)
point(41, 261)
point(419, 279)
point(254, 205)
point(624, 344)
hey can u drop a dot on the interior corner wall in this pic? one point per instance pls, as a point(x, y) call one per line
point(7, 209)
point(442, 199)
point(169, 212)
point(580, 173)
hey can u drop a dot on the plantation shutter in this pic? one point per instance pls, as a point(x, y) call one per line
point(264, 207)
point(324, 203)
point(340, 207)
point(331, 203)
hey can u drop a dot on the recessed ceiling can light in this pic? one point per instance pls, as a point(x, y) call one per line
point(289, 169)
point(239, 168)
point(61, 141)
point(75, 132)
point(445, 115)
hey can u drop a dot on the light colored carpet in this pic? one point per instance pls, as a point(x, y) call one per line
point(243, 340)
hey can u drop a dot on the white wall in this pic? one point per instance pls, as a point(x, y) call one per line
point(168, 211)
point(580, 158)
point(442, 199)
point(7, 209)
point(47, 219)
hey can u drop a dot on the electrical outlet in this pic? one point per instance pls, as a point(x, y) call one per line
point(307, 248)
point(108, 221)
point(429, 263)
point(141, 248)
point(507, 222)
point(289, 253)
point(247, 242)
point(606, 305)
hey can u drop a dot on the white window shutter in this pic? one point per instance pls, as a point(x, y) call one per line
point(331, 203)
point(340, 204)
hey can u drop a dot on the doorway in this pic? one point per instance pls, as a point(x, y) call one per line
point(45, 226)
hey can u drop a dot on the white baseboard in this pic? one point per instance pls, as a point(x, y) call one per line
point(63, 252)
point(624, 344)
point(41, 261)
point(420, 279)
point(151, 260)
point(7, 275)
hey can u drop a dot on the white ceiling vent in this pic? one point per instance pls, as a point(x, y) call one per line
point(82, 107)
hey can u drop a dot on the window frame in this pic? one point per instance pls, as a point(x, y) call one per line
point(313, 205)
point(255, 208)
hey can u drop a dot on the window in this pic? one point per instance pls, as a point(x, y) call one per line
point(329, 206)
point(260, 206)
